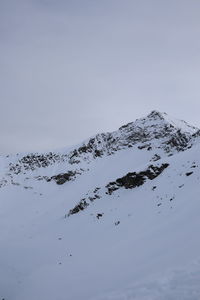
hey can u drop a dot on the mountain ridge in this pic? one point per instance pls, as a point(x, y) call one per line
point(115, 226)
point(140, 131)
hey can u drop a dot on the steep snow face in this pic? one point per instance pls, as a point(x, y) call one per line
point(119, 225)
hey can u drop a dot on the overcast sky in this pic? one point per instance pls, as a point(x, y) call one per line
point(72, 68)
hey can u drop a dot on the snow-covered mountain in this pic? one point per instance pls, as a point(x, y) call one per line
point(115, 217)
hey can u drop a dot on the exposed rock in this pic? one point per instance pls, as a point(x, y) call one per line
point(99, 215)
point(63, 177)
point(83, 203)
point(180, 141)
point(148, 146)
point(79, 207)
point(188, 173)
point(34, 161)
point(156, 157)
point(117, 223)
point(135, 179)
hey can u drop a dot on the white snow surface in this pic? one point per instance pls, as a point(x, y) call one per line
point(144, 245)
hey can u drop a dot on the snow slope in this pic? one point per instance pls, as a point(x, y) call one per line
point(116, 217)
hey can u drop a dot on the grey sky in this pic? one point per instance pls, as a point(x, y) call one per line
point(72, 68)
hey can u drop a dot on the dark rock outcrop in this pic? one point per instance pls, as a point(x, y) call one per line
point(79, 207)
point(129, 181)
point(63, 177)
point(135, 179)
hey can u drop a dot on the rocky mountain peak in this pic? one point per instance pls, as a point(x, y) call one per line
point(157, 133)
point(159, 120)
point(155, 114)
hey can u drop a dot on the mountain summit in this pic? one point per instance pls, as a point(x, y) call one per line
point(157, 133)
point(115, 217)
